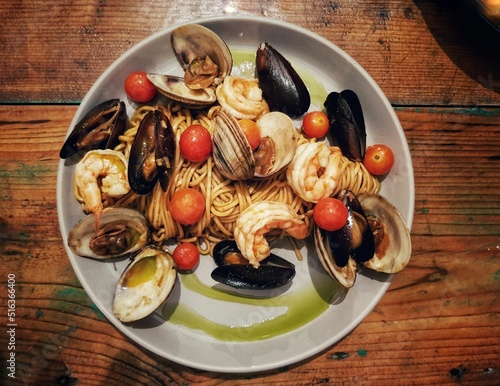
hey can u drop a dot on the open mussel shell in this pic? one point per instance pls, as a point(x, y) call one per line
point(98, 129)
point(152, 153)
point(144, 285)
point(175, 88)
point(233, 155)
point(122, 231)
point(282, 87)
point(347, 124)
point(392, 236)
point(194, 42)
point(273, 272)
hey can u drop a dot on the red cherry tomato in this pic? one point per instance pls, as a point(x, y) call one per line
point(315, 124)
point(330, 214)
point(139, 88)
point(186, 256)
point(195, 143)
point(378, 160)
point(252, 132)
point(187, 206)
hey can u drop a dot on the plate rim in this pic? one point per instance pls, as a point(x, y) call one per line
point(130, 333)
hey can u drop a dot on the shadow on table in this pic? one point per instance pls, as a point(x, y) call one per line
point(468, 40)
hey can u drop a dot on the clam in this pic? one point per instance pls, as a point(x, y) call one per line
point(98, 129)
point(392, 236)
point(152, 153)
point(144, 285)
point(282, 86)
point(375, 236)
point(206, 61)
point(347, 124)
point(235, 271)
point(122, 231)
point(233, 155)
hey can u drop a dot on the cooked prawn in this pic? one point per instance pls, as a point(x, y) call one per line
point(315, 170)
point(260, 218)
point(242, 98)
point(101, 171)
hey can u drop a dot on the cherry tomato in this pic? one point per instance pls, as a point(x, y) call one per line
point(252, 132)
point(186, 256)
point(378, 160)
point(139, 88)
point(187, 206)
point(195, 143)
point(315, 124)
point(330, 214)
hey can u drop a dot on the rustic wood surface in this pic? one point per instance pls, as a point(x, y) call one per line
point(439, 323)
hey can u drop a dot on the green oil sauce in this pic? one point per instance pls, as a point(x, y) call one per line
point(140, 272)
point(302, 306)
point(244, 66)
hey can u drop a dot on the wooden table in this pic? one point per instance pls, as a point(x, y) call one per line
point(439, 322)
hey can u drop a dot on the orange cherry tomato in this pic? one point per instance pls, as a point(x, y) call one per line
point(315, 124)
point(252, 132)
point(195, 143)
point(186, 256)
point(378, 160)
point(330, 214)
point(187, 206)
point(139, 88)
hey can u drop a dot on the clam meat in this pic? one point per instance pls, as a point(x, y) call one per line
point(206, 61)
point(144, 285)
point(121, 231)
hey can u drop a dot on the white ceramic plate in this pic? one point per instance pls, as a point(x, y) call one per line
point(193, 347)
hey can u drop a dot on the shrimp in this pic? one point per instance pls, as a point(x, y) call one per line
point(260, 218)
point(112, 167)
point(242, 98)
point(315, 171)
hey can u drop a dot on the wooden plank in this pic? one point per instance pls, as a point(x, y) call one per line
point(419, 53)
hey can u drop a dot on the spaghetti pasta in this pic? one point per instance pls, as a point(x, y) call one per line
point(225, 199)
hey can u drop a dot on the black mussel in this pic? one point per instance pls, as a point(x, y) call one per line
point(355, 240)
point(98, 129)
point(152, 153)
point(347, 124)
point(235, 271)
point(282, 87)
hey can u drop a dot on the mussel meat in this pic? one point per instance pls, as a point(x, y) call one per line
point(282, 87)
point(152, 153)
point(347, 124)
point(233, 155)
point(235, 271)
point(144, 285)
point(122, 231)
point(375, 236)
point(98, 129)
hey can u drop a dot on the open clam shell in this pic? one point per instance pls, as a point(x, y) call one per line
point(144, 285)
point(233, 155)
point(393, 242)
point(122, 231)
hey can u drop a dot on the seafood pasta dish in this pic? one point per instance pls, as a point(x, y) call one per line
point(217, 164)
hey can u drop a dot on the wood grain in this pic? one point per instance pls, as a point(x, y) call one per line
point(437, 324)
point(415, 50)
